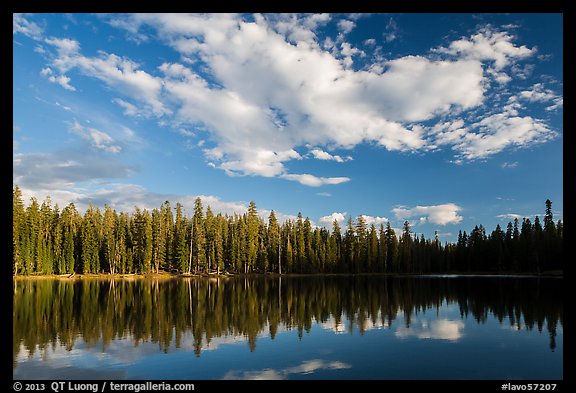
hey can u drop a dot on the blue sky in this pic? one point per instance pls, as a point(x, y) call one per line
point(444, 120)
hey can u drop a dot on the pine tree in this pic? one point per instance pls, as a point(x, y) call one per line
point(252, 240)
point(18, 223)
point(109, 243)
point(392, 248)
point(300, 243)
point(142, 241)
point(180, 247)
point(158, 240)
point(361, 251)
point(56, 235)
point(198, 238)
point(382, 250)
point(45, 255)
point(274, 252)
point(89, 241)
point(372, 249)
point(168, 225)
point(350, 247)
point(210, 236)
point(549, 227)
point(219, 236)
point(70, 223)
point(310, 261)
point(335, 246)
point(406, 248)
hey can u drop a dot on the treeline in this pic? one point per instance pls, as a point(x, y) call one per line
point(49, 241)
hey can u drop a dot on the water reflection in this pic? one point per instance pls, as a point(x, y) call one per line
point(307, 367)
point(204, 314)
point(441, 329)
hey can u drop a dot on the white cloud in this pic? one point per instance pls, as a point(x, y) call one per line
point(558, 103)
point(117, 72)
point(302, 95)
point(374, 220)
point(345, 26)
point(314, 181)
point(320, 154)
point(489, 45)
point(129, 109)
point(497, 132)
point(437, 214)
point(62, 80)
point(537, 94)
point(339, 217)
point(509, 164)
point(510, 216)
point(22, 25)
point(305, 95)
point(391, 32)
point(98, 139)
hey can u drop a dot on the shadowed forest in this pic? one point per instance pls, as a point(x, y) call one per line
point(47, 240)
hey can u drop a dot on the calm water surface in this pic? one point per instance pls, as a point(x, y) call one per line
point(290, 328)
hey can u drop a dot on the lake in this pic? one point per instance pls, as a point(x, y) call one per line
point(317, 327)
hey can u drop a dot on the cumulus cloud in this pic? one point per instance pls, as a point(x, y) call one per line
point(336, 216)
point(117, 72)
point(62, 80)
point(374, 220)
point(129, 109)
point(307, 93)
point(96, 138)
point(497, 132)
point(538, 93)
point(510, 216)
point(345, 26)
point(20, 24)
point(437, 214)
point(491, 45)
point(314, 181)
point(303, 95)
point(320, 154)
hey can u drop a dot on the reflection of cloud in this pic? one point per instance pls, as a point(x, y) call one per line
point(339, 327)
point(336, 327)
point(307, 367)
point(442, 329)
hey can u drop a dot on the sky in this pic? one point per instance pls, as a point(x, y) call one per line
point(446, 121)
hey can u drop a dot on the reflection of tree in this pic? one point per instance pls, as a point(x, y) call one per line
point(48, 312)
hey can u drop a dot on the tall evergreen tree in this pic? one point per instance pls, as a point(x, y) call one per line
point(90, 241)
point(406, 248)
point(252, 238)
point(180, 244)
point(18, 229)
point(109, 235)
point(274, 251)
point(198, 242)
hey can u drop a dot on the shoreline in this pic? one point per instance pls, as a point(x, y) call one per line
point(168, 275)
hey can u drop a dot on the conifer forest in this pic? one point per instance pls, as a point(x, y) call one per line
point(47, 240)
